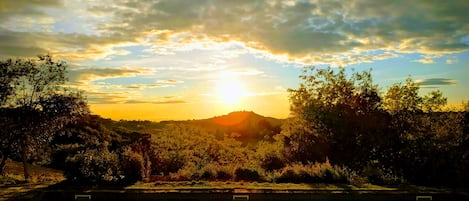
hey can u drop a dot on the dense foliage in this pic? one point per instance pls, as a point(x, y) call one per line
point(34, 104)
point(398, 134)
point(343, 129)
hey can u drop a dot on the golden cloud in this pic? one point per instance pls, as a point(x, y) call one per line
point(86, 75)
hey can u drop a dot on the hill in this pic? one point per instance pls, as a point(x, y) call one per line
point(246, 126)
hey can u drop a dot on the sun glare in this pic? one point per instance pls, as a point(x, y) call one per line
point(229, 89)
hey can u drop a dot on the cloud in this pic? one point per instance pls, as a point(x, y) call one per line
point(130, 86)
point(95, 97)
point(306, 30)
point(451, 61)
point(126, 98)
point(24, 8)
point(296, 31)
point(245, 72)
point(72, 46)
point(156, 102)
point(146, 86)
point(86, 75)
point(101, 92)
point(428, 58)
point(436, 81)
point(92, 81)
point(425, 61)
point(170, 81)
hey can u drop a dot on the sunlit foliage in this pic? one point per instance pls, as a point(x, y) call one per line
point(179, 147)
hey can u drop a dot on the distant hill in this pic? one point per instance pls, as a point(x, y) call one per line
point(241, 118)
point(249, 126)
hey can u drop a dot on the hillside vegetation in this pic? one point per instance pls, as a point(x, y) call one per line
point(343, 129)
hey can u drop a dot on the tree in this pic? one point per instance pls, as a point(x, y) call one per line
point(431, 145)
point(8, 74)
point(403, 98)
point(35, 104)
point(402, 134)
point(335, 117)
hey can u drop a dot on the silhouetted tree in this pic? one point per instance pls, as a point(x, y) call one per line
point(430, 143)
point(35, 104)
point(8, 75)
point(335, 117)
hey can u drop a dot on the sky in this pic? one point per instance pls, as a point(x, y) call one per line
point(193, 59)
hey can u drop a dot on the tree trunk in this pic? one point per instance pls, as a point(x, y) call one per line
point(4, 161)
point(25, 166)
point(25, 159)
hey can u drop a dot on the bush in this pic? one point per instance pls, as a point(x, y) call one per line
point(167, 162)
point(376, 174)
point(312, 173)
point(186, 173)
point(356, 179)
point(244, 174)
point(224, 174)
point(272, 162)
point(270, 155)
point(94, 166)
point(133, 166)
point(288, 175)
point(216, 172)
point(209, 172)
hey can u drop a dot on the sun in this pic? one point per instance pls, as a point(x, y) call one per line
point(229, 89)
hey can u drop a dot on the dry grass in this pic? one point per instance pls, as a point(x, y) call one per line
point(13, 186)
point(13, 174)
point(188, 185)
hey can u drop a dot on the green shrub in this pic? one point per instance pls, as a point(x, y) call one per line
point(356, 179)
point(208, 174)
point(210, 171)
point(93, 165)
point(380, 176)
point(270, 156)
point(245, 174)
point(133, 166)
point(167, 162)
point(224, 174)
point(287, 175)
point(312, 173)
point(272, 162)
point(187, 173)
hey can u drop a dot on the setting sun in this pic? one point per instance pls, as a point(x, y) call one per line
point(229, 89)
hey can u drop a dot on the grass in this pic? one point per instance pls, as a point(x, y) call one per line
point(13, 180)
point(13, 186)
point(252, 185)
point(13, 174)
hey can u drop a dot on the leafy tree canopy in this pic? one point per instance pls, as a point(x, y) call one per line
point(34, 103)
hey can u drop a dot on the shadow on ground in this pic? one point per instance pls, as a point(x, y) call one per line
point(12, 189)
